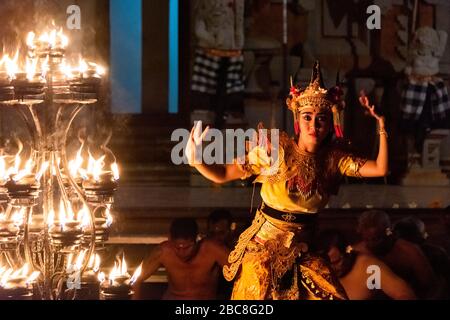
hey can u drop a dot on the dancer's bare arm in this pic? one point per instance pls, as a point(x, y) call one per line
point(218, 173)
point(378, 167)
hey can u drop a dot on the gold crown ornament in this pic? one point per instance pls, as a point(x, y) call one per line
point(316, 96)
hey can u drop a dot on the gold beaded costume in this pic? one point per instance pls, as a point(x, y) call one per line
point(273, 258)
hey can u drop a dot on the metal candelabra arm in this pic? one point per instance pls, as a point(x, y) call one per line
point(77, 189)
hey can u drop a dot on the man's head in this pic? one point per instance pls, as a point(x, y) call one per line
point(183, 236)
point(411, 229)
point(374, 227)
point(332, 244)
point(219, 224)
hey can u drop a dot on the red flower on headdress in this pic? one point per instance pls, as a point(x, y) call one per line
point(295, 92)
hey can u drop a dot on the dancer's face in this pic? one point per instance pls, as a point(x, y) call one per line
point(315, 125)
point(335, 257)
point(219, 230)
point(185, 249)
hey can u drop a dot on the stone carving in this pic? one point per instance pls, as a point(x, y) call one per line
point(427, 48)
point(219, 24)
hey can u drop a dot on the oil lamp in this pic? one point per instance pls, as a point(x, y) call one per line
point(118, 285)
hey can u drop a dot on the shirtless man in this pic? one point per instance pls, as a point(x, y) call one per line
point(353, 271)
point(191, 265)
point(404, 258)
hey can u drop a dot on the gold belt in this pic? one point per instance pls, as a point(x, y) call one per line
point(222, 53)
point(235, 257)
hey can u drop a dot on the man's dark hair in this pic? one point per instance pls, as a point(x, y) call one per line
point(409, 228)
point(373, 219)
point(331, 238)
point(184, 228)
point(218, 215)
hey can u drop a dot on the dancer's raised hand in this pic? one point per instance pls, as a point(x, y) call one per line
point(194, 143)
point(364, 101)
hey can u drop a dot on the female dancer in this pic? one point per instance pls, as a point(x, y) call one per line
point(275, 255)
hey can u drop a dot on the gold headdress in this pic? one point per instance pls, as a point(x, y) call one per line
point(316, 96)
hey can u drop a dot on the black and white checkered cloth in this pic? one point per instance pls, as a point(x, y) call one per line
point(207, 73)
point(414, 96)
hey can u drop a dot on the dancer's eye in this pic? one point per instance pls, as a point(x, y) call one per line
point(307, 117)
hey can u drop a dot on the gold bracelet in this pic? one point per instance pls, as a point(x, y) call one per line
point(383, 132)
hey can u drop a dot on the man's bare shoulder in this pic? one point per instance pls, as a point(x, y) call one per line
point(164, 246)
point(408, 247)
point(366, 259)
point(161, 248)
point(360, 247)
point(211, 245)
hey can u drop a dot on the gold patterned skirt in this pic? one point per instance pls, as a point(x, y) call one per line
point(272, 261)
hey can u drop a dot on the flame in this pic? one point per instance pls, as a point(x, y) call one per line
point(30, 39)
point(136, 274)
point(24, 270)
point(51, 217)
point(94, 262)
point(115, 170)
point(101, 277)
point(64, 40)
point(123, 266)
point(16, 274)
point(19, 276)
point(26, 171)
point(75, 164)
point(14, 171)
point(62, 214)
point(82, 66)
point(69, 260)
point(5, 277)
point(33, 277)
point(18, 217)
point(44, 38)
point(41, 172)
point(91, 261)
point(66, 69)
point(98, 68)
point(109, 218)
point(30, 68)
point(120, 269)
point(95, 166)
point(84, 217)
point(11, 65)
point(97, 263)
point(3, 176)
point(79, 261)
point(53, 168)
point(52, 39)
point(44, 67)
point(114, 273)
point(17, 161)
point(69, 213)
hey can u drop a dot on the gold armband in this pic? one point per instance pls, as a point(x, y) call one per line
point(383, 132)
